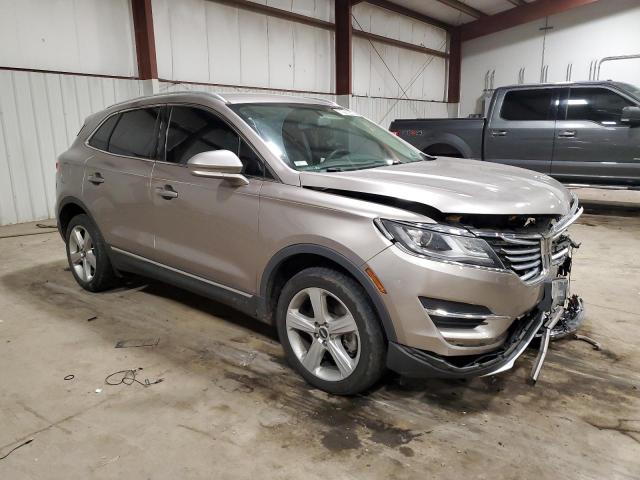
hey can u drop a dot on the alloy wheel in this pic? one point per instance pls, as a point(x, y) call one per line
point(82, 253)
point(323, 334)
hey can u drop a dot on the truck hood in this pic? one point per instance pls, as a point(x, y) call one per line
point(453, 185)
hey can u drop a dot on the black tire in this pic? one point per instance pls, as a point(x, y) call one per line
point(104, 276)
point(371, 364)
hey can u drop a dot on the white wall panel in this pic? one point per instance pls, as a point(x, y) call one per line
point(205, 41)
point(578, 37)
point(421, 76)
point(40, 116)
point(381, 70)
point(320, 9)
point(88, 36)
point(384, 110)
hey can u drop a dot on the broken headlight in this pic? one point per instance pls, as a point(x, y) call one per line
point(440, 242)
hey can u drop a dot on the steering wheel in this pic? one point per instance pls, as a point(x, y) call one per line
point(334, 154)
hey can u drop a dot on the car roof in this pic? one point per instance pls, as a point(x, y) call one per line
point(231, 98)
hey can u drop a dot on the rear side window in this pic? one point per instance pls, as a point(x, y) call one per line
point(527, 105)
point(596, 104)
point(135, 134)
point(100, 139)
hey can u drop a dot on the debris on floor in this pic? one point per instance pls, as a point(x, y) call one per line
point(128, 377)
point(147, 342)
point(589, 340)
point(92, 318)
point(70, 377)
point(16, 448)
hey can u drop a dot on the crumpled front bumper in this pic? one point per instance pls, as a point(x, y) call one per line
point(414, 362)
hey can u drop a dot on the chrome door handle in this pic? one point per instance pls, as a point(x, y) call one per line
point(498, 133)
point(567, 134)
point(96, 178)
point(167, 192)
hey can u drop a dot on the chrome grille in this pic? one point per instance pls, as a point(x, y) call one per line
point(531, 255)
point(560, 249)
point(522, 255)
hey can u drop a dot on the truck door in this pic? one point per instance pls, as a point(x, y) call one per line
point(592, 145)
point(521, 128)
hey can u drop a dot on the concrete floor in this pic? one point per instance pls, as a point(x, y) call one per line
point(229, 407)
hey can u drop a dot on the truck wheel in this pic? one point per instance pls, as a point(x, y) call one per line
point(329, 331)
point(87, 255)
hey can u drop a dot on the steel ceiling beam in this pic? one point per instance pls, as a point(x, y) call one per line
point(517, 3)
point(518, 16)
point(278, 13)
point(464, 8)
point(399, 43)
point(399, 9)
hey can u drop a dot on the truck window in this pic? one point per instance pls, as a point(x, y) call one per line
point(598, 105)
point(527, 104)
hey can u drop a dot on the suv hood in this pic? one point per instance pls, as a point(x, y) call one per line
point(453, 185)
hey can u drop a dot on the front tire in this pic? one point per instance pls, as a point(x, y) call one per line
point(87, 255)
point(329, 331)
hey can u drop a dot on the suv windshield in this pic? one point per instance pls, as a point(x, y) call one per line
point(319, 138)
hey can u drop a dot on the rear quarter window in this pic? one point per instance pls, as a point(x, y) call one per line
point(100, 139)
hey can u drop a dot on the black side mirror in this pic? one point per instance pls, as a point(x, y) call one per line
point(630, 115)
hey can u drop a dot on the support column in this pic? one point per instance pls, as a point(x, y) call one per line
point(343, 36)
point(454, 71)
point(145, 45)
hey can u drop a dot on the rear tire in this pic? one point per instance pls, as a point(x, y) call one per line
point(330, 332)
point(87, 255)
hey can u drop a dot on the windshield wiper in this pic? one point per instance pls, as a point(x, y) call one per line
point(346, 168)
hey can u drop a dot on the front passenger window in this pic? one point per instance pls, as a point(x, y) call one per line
point(194, 130)
point(598, 105)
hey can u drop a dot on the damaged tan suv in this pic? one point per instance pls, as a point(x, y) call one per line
point(365, 253)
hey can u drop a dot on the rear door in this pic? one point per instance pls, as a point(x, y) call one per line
point(592, 145)
point(206, 227)
point(521, 131)
point(117, 176)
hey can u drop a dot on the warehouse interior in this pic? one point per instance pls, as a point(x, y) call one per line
point(214, 396)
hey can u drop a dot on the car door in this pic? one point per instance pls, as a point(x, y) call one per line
point(592, 145)
point(521, 132)
point(117, 178)
point(206, 227)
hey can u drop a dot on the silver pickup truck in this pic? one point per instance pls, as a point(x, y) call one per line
point(580, 133)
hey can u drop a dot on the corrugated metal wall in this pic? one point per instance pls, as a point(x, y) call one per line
point(196, 41)
point(40, 115)
point(384, 110)
point(381, 70)
point(88, 36)
point(176, 87)
point(208, 42)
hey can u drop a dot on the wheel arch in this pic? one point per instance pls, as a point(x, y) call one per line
point(68, 208)
point(295, 258)
point(451, 141)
